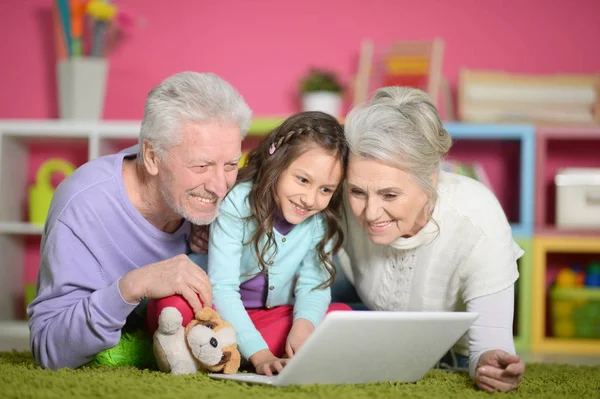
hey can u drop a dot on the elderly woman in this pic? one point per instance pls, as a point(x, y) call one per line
point(420, 239)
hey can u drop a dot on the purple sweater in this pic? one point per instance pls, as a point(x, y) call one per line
point(254, 291)
point(92, 238)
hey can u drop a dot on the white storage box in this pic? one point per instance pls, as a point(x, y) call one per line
point(578, 198)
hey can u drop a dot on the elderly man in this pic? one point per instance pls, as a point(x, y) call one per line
point(118, 227)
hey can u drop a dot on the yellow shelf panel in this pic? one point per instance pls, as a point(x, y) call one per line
point(523, 312)
point(567, 346)
point(568, 244)
point(542, 245)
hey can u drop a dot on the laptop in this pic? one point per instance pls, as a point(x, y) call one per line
point(358, 347)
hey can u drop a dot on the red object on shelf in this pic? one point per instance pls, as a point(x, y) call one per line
point(418, 81)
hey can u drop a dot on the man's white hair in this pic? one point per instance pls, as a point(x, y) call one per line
point(190, 97)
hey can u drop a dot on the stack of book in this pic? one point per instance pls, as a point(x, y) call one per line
point(559, 99)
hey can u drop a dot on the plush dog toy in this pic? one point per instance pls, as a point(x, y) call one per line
point(207, 343)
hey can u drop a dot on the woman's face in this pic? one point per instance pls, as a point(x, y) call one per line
point(385, 200)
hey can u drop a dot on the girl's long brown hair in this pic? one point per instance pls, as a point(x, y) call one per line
point(292, 138)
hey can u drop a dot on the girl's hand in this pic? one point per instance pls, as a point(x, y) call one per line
point(299, 333)
point(199, 239)
point(266, 363)
point(498, 370)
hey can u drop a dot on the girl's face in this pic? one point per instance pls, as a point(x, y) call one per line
point(385, 200)
point(307, 185)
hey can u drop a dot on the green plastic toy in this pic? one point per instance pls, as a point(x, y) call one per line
point(135, 348)
point(40, 193)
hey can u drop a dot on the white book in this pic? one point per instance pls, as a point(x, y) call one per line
point(539, 94)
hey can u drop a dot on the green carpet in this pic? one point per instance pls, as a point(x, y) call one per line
point(20, 377)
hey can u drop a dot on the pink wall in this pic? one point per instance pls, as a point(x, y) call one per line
point(263, 46)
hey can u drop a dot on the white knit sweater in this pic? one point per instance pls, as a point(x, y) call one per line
point(465, 253)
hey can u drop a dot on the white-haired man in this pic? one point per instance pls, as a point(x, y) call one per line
point(118, 227)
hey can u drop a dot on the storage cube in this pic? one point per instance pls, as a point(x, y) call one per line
point(578, 198)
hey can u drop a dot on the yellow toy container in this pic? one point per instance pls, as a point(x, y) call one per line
point(41, 192)
point(243, 159)
point(575, 312)
point(29, 295)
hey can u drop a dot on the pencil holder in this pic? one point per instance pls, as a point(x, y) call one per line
point(81, 88)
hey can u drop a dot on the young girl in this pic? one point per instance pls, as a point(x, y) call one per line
point(270, 247)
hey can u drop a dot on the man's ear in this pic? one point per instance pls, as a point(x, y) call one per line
point(150, 158)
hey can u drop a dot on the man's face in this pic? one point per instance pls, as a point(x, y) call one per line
point(196, 174)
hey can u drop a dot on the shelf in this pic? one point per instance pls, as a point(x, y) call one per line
point(554, 231)
point(568, 346)
point(489, 131)
point(62, 128)
point(560, 147)
point(14, 335)
point(566, 132)
point(521, 229)
point(20, 228)
point(104, 129)
point(507, 152)
point(549, 254)
point(523, 304)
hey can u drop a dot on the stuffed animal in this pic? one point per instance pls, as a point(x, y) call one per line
point(207, 343)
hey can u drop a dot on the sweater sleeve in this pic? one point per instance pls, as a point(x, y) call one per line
point(224, 264)
point(490, 267)
point(75, 315)
point(493, 329)
point(312, 302)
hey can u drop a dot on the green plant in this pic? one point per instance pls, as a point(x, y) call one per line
point(318, 79)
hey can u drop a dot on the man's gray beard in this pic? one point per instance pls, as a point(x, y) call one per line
point(181, 212)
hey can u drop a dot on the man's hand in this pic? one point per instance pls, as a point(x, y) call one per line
point(178, 275)
point(199, 239)
point(498, 370)
point(299, 333)
point(266, 363)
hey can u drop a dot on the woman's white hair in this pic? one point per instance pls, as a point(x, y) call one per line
point(400, 126)
point(190, 97)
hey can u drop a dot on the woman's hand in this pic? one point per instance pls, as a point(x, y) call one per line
point(498, 370)
point(266, 363)
point(199, 239)
point(299, 333)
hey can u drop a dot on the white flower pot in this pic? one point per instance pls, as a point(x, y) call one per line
point(324, 101)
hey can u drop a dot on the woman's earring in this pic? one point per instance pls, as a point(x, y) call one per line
point(272, 149)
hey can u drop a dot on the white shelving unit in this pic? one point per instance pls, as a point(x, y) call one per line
point(16, 136)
